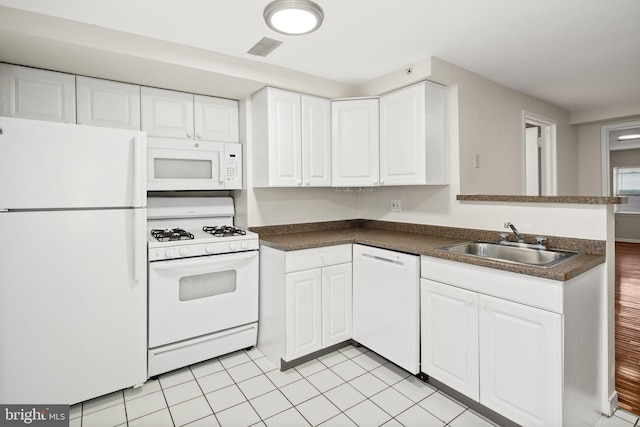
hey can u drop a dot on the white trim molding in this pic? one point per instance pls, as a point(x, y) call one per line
point(604, 149)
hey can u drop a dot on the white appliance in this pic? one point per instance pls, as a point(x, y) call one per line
point(203, 282)
point(178, 164)
point(386, 304)
point(73, 292)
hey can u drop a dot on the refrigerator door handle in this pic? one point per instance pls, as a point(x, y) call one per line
point(139, 244)
point(139, 171)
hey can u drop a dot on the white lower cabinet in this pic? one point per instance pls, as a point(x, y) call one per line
point(318, 306)
point(304, 313)
point(513, 348)
point(524, 347)
point(450, 353)
point(520, 361)
point(305, 301)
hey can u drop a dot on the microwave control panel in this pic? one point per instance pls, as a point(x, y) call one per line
point(233, 166)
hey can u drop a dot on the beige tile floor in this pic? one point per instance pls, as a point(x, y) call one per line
point(349, 387)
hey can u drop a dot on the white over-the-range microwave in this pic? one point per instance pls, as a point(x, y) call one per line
point(178, 164)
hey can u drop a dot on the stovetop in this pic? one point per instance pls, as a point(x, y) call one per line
point(183, 227)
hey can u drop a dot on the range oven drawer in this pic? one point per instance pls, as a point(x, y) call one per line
point(174, 356)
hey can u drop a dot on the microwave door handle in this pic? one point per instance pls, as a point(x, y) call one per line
point(221, 167)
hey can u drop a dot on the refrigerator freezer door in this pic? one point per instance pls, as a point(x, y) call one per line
point(46, 165)
point(72, 318)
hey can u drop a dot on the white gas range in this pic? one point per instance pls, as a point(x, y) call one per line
point(203, 282)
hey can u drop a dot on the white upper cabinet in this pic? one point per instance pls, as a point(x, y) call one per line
point(355, 142)
point(291, 135)
point(29, 93)
point(171, 114)
point(413, 139)
point(216, 119)
point(167, 113)
point(108, 104)
point(316, 141)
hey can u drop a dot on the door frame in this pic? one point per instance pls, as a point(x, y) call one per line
point(548, 126)
point(604, 145)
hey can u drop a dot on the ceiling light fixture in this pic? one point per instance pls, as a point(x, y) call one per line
point(293, 17)
point(630, 136)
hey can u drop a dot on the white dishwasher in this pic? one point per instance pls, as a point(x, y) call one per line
point(386, 304)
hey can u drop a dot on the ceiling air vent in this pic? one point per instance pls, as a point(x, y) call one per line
point(264, 47)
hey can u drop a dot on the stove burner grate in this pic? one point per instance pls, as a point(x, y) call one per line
point(169, 234)
point(224, 231)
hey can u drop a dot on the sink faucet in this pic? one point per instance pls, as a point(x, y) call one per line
point(515, 231)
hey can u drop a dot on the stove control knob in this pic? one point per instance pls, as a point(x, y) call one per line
point(169, 253)
point(209, 248)
point(233, 246)
point(183, 251)
point(244, 245)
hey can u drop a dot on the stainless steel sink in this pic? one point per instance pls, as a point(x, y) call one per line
point(514, 254)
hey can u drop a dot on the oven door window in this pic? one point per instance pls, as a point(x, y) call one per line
point(207, 285)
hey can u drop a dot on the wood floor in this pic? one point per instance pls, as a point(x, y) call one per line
point(627, 326)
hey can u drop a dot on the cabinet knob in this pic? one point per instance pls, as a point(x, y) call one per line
point(469, 299)
point(375, 182)
point(299, 182)
point(483, 304)
point(189, 135)
point(382, 182)
point(199, 136)
point(307, 182)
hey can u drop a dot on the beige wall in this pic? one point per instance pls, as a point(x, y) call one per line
point(491, 125)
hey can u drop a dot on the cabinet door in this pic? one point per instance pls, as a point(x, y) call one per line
point(316, 141)
point(449, 329)
point(285, 157)
point(521, 362)
point(216, 119)
point(167, 113)
point(402, 136)
point(337, 305)
point(355, 142)
point(29, 93)
point(303, 330)
point(108, 104)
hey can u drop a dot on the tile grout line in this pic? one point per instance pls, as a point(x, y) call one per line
point(203, 395)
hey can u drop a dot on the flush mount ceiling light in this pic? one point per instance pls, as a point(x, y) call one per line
point(293, 17)
point(628, 137)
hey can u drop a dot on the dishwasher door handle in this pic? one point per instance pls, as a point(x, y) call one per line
point(383, 258)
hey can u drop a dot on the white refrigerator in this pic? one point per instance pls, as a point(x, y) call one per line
point(73, 278)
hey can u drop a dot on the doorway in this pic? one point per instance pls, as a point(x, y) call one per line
point(539, 155)
point(620, 165)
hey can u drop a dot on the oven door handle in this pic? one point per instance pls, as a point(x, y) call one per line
point(204, 264)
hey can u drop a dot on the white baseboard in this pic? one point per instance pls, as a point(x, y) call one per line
point(613, 403)
point(628, 240)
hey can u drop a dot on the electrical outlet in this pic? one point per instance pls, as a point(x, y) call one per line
point(395, 206)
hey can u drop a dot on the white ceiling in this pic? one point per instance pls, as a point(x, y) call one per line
point(578, 54)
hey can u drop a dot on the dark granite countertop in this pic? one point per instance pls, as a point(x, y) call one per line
point(423, 240)
point(579, 200)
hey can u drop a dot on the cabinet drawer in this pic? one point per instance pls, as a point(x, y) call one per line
point(305, 259)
